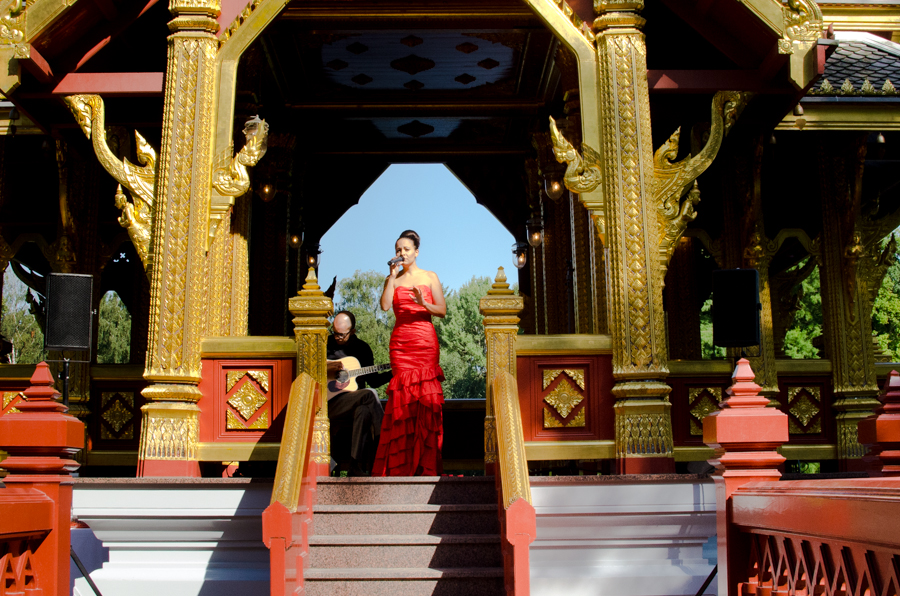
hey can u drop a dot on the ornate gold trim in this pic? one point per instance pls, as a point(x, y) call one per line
point(583, 174)
point(584, 344)
point(512, 460)
point(566, 450)
point(140, 181)
point(247, 400)
point(292, 457)
point(563, 398)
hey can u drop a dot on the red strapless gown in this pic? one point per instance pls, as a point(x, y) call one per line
point(412, 431)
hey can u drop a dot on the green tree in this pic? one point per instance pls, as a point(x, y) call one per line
point(807, 326)
point(18, 325)
point(114, 335)
point(461, 337)
point(886, 312)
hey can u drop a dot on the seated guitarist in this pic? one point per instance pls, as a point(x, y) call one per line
point(360, 408)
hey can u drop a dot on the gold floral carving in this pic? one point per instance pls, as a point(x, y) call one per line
point(292, 457)
point(578, 421)
point(564, 398)
point(549, 376)
point(513, 466)
point(703, 400)
point(672, 180)
point(490, 440)
point(117, 416)
point(550, 421)
point(247, 400)
point(583, 174)
point(12, 22)
point(232, 422)
point(641, 434)
point(261, 422)
point(804, 405)
point(233, 376)
point(321, 443)
point(802, 24)
point(170, 433)
point(140, 181)
point(847, 89)
point(577, 375)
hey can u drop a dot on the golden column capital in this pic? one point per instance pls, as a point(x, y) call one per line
point(311, 308)
point(500, 309)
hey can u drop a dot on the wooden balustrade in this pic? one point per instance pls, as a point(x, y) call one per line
point(287, 520)
point(829, 537)
point(36, 505)
point(518, 525)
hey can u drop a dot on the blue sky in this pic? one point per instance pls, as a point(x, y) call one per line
point(460, 238)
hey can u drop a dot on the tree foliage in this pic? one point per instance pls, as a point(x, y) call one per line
point(18, 325)
point(800, 338)
point(886, 312)
point(114, 335)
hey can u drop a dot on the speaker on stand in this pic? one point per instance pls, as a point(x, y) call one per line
point(69, 317)
point(736, 308)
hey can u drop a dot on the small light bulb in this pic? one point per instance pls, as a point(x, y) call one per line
point(534, 239)
point(296, 241)
point(554, 189)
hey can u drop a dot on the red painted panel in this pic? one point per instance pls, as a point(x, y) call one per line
point(597, 403)
point(213, 405)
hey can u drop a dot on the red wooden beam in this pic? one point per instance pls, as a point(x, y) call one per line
point(704, 81)
point(111, 83)
point(37, 65)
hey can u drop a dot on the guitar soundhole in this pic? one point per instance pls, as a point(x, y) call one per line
point(343, 376)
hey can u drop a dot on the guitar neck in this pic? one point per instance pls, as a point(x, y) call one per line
point(368, 370)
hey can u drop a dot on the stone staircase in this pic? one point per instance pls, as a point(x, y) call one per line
point(405, 536)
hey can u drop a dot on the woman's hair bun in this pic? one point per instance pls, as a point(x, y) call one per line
point(411, 235)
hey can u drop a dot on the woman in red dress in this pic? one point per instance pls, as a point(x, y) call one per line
point(412, 431)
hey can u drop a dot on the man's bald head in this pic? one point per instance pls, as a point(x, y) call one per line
point(343, 327)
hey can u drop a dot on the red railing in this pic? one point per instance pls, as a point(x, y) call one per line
point(833, 537)
point(518, 521)
point(287, 520)
point(36, 505)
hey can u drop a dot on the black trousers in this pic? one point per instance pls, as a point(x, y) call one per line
point(363, 412)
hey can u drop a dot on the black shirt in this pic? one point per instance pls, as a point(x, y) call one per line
point(360, 350)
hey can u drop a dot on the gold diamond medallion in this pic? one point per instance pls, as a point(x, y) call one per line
point(247, 400)
point(804, 410)
point(117, 416)
point(564, 398)
point(705, 401)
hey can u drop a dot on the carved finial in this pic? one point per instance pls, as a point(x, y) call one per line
point(500, 285)
point(311, 281)
point(744, 392)
point(888, 88)
point(847, 88)
point(826, 88)
point(868, 88)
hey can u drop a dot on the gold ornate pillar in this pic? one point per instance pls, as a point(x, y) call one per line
point(500, 309)
point(229, 274)
point(311, 308)
point(169, 435)
point(643, 425)
point(852, 268)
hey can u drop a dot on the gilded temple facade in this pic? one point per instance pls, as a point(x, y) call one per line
point(656, 141)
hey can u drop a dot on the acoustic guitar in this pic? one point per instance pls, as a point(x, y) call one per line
point(346, 378)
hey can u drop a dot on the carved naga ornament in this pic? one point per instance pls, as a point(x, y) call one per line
point(140, 181)
point(672, 180)
point(583, 174)
point(803, 23)
point(233, 180)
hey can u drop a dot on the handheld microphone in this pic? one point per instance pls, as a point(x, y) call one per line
point(394, 261)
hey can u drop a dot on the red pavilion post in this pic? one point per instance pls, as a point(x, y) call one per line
point(882, 431)
point(745, 434)
point(41, 440)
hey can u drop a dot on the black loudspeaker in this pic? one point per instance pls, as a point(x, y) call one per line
point(735, 307)
point(69, 317)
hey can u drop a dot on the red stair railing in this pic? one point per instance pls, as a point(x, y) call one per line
point(518, 523)
point(286, 521)
point(36, 505)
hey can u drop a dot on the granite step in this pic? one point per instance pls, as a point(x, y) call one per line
point(409, 581)
point(409, 550)
point(405, 519)
point(435, 490)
